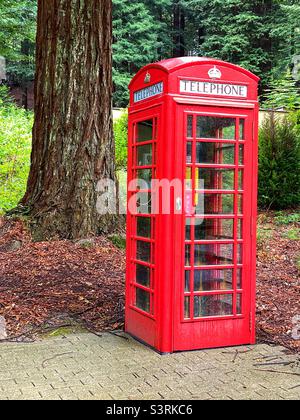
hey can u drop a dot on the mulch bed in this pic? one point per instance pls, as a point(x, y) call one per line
point(278, 283)
point(46, 285)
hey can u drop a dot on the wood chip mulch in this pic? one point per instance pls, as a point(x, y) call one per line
point(48, 284)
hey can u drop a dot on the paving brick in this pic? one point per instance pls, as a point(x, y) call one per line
point(86, 367)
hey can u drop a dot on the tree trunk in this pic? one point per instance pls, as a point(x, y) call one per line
point(73, 146)
point(179, 29)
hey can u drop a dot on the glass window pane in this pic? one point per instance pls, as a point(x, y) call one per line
point(215, 153)
point(241, 204)
point(190, 126)
point(143, 227)
point(208, 306)
point(214, 229)
point(239, 307)
point(213, 280)
point(240, 253)
point(242, 155)
point(143, 275)
point(240, 229)
point(187, 287)
point(216, 179)
point(144, 155)
point(242, 129)
point(187, 255)
point(188, 230)
point(144, 203)
point(189, 153)
point(239, 278)
point(241, 180)
point(143, 300)
point(144, 131)
point(210, 204)
point(145, 177)
point(187, 307)
point(143, 251)
point(216, 128)
point(189, 178)
point(214, 254)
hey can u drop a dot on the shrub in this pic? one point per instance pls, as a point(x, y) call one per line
point(279, 164)
point(121, 140)
point(15, 148)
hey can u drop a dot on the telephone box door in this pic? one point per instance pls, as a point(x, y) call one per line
point(214, 284)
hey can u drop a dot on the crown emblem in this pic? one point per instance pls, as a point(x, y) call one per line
point(147, 78)
point(215, 73)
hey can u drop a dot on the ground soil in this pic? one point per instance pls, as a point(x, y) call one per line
point(50, 285)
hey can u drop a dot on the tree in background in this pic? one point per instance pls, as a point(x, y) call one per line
point(73, 146)
point(135, 44)
point(17, 40)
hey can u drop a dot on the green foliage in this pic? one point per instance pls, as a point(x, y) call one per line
point(118, 241)
point(135, 44)
point(282, 218)
point(279, 164)
point(283, 93)
point(17, 37)
point(121, 140)
point(15, 148)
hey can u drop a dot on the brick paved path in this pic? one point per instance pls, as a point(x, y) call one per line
point(85, 366)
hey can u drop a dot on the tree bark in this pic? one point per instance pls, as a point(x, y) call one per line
point(73, 146)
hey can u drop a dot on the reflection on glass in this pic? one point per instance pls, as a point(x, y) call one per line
point(144, 203)
point(215, 153)
point(218, 204)
point(242, 129)
point(189, 152)
point(144, 227)
point(188, 178)
point(187, 287)
point(187, 307)
point(188, 230)
point(213, 280)
point(190, 126)
point(143, 275)
point(143, 252)
point(241, 204)
point(144, 131)
point(214, 254)
point(214, 229)
point(240, 229)
point(242, 155)
point(209, 306)
point(240, 253)
point(187, 256)
point(239, 308)
point(143, 300)
point(216, 128)
point(239, 278)
point(145, 175)
point(144, 155)
point(241, 180)
point(217, 179)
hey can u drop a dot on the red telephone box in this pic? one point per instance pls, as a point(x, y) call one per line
point(191, 239)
